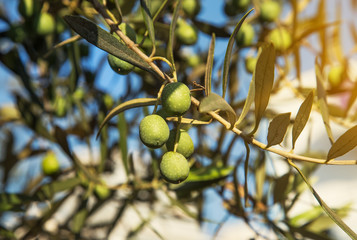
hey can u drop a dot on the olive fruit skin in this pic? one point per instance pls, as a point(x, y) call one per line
point(185, 144)
point(250, 63)
point(269, 11)
point(50, 164)
point(241, 5)
point(245, 35)
point(191, 7)
point(176, 98)
point(45, 24)
point(26, 8)
point(118, 65)
point(280, 38)
point(185, 33)
point(336, 76)
point(174, 167)
point(153, 131)
point(101, 191)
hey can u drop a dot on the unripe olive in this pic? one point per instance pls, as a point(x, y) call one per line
point(128, 31)
point(230, 9)
point(174, 167)
point(336, 75)
point(60, 106)
point(176, 98)
point(186, 33)
point(194, 60)
point(241, 5)
point(191, 7)
point(50, 164)
point(250, 63)
point(185, 143)
point(26, 7)
point(269, 11)
point(153, 131)
point(101, 191)
point(245, 35)
point(45, 24)
point(280, 38)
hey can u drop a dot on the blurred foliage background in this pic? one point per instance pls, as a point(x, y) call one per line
point(65, 88)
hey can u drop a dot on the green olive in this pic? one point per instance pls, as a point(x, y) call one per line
point(241, 5)
point(269, 11)
point(45, 24)
point(186, 33)
point(245, 35)
point(26, 8)
point(250, 63)
point(336, 75)
point(153, 131)
point(280, 38)
point(185, 143)
point(176, 98)
point(174, 167)
point(102, 191)
point(191, 7)
point(50, 164)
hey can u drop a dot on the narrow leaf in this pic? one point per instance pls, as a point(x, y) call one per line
point(248, 102)
point(277, 129)
point(170, 45)
point(280, 187)
point(209, 174)
point(325, 207)
point(123, 135)
point(215, 102)
point(105, 41)
point(141, 102)
point(227, 58)
point(263, 80)
point(145, 9)
point(47, 191)
point(246, 168)
point(343, 144)
point(209, 65)
point(302, 116)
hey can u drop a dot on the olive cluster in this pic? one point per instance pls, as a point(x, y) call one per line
point(154, 133)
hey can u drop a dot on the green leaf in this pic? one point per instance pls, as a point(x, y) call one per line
point(170, 45)
point(123, 134)
point(260, 175)
point(280, 186)
point(248, 102)
point(209, 65)
point(343, 144)
point(215, 102)
point(209, 174)
point(227, 58)
point(80, 217)
point(277, 129)
point(246, 169)
point(105, 41)
point(145, 9)
point(47, 191)
point(140, 102)
point(325, 207)
point(302, 116)
point(263, 80)
point(321, 96)
point(15, 202)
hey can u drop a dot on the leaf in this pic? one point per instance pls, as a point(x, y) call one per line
point(227, 58)
point(188, 120)
point(343, 144)
point(302, 116)
point(263, 81)
point(123, 134)
point(170, 45)
point(280, 186)
point(15, 202)
point(140, 102)
point(325, 207)
point(209, 65)
point(277, 129)
point(321, 97)
point(248, 102)
point(260, 175)
point(105, 41)
point(219, 31)
point(47, 191)
point(209, 174)
point(215, 102)
point(145, 9)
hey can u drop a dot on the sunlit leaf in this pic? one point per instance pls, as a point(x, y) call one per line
point(209, 174)
point(227, 58)
point(302, 117)
point(140, 102)
point(209, 65)
point(277, 129)
point(188, 120)
point(343, 144)
point(215, 102)
point(145, 9)
point(263, 81)
point(260, 174)
point(321, 99)
point(105, 41)
point(325, 207)
point(248, 102)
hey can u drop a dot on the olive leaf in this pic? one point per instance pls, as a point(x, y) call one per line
point(145, 9)
point(215, 102)
point(209, 65)
point(170, 44)
point(302, 117)
point(345, 143)
point(263, 81)
point(140, 102)
point(227, 57)
point(277, 129)
point(105, 41)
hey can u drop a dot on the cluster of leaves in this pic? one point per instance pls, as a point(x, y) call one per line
point(61, 100)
